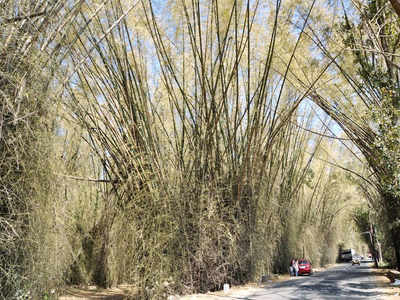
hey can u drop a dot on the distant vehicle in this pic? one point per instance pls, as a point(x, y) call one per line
point(368, 257)
point(356, 260)
point(305, 267)
point(347, 254)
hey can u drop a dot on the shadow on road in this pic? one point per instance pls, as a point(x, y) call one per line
point(345, 282)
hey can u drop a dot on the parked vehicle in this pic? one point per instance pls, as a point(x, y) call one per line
point(305, 267)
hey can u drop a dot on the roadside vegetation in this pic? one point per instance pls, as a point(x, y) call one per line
point(180, 145)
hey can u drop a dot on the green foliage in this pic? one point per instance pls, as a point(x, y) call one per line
point(361, 217)
point(387, 143)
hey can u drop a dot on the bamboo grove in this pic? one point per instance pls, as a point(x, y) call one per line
point(170, 145)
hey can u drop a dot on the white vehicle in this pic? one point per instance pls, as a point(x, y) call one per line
point(356, 260)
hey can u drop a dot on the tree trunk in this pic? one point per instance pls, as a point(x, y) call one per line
point(396, 245)
point(396, 6)
point(392, 205)
point(373, 247)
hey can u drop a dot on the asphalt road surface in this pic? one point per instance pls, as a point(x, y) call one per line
point(340, 282)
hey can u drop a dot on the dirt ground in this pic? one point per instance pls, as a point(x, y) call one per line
point(392, 292)
point(122, 292)
point(92, 292)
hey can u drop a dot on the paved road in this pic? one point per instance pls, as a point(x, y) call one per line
point(341, 282)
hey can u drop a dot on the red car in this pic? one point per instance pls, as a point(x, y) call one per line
point(305, 267)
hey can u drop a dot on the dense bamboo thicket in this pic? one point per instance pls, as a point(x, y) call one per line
point(26, 129)
point(163, 146)
point(206, 170)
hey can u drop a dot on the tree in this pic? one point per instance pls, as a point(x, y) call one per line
point(369, 116)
